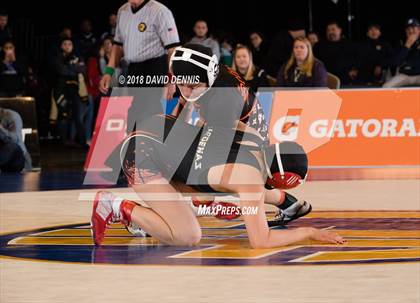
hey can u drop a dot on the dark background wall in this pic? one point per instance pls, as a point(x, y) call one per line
point(233, 16)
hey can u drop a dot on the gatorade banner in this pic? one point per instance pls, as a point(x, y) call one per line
point(350, 128)
point(372, 128)
point(110, 130)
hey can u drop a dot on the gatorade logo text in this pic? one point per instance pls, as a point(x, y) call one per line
point(287, 128)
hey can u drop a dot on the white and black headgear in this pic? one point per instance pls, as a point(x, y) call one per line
point(195, 60)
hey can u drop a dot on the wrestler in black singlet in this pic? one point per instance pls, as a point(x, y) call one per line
point(229, 100)
point(169, 148)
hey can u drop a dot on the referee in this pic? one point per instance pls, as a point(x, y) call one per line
point(145, 35)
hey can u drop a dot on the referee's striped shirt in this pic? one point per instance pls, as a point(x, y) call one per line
point(147, 32)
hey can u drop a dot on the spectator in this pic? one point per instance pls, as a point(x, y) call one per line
point(13, 153)
point(146, 50)
point(5, 34)
point(66, 33)
point(13, 73)
point(226, 52)
point(55, 49)
point(112, 25)
point(104, 57)
point(302, 69)
point(313, 38)
point(408, 58)
point(66, 94)
point(243, 64)
point(338, 54)
point(95, 68)
point(375, 57)
point(86, 41)
point(282, 45)
point(201, 31)
point(259, 48)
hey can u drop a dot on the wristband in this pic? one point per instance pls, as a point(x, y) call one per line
point(109, 71)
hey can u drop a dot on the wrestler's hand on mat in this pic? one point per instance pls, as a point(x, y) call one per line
point(327, 236)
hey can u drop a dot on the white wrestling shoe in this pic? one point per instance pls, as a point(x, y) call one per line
point(135, 230)
point(298, 209)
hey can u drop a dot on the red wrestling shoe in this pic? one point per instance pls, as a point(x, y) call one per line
point(102, 215)
point(197, 204)
point(126, 208)
point(226, 210)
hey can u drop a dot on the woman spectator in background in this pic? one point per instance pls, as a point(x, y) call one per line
point(259, 48)
point(302, 69)
point(243, 64)
point(13, 73)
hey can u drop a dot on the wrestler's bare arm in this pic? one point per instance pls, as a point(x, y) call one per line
point(236, 178)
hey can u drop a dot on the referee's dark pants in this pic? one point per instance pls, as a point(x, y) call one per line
point(146, 102)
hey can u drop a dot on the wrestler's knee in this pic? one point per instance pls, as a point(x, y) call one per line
point(187, 236)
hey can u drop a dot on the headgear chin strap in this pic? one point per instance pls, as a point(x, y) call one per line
point(282, 179)
point(212, 67)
